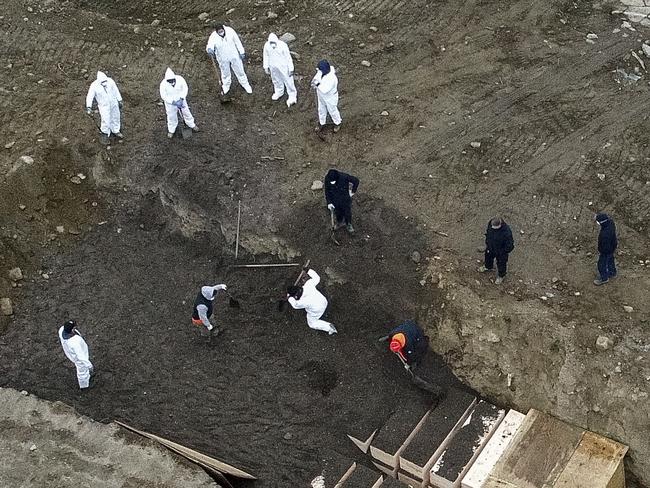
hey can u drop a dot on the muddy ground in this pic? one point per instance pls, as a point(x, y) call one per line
point(143, 224)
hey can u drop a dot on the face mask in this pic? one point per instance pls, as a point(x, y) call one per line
point(172, 82)
point(222, 33)
point(274, 44)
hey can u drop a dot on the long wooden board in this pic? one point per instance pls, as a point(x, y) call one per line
point(596, 463)
point(538, 453)
point(192, 455)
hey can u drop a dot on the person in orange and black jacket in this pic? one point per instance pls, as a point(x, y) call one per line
point(409, 343)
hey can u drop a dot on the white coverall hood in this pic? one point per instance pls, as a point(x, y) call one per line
point(101, 77)
point(208, 292)
point(273, 38)
point(169, 74)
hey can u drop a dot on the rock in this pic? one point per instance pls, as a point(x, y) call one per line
point(32, 447)
point(6, 307)
point(15, 274)
point(475, 144)
point(45, 276)
point(365, 63)
point(76, 180)
point(384, 113)
point(628, 309)
point(287, 37)
point(155, 22)
point(592, 36)
point(271, 15)
point(288, 436)
point(27, 159)
point(9, 145)
point(137, 29)
point(24, 393)
point(60, 229)
point(317, 185)
point(373, 28)
point(203, 15)
point(22, 207)
point(603, 343)
point(416, 257)
point(644, 46)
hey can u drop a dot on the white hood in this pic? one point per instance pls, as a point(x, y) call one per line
point(169, 74)
point(208, 292)
point(273, 38)
point(101, 77)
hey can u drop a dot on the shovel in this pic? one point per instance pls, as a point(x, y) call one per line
point(103, 138)
point(232, 302)
point(186, 132)
point(282, 303)
point(436, 391)
point(333, 228)
point(223, 98)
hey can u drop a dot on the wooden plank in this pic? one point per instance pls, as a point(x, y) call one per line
point(429, 442)
point(594, 464)
point(409, 479)
point(493, 450)
point(379, 482)
point(346, 475)
point(363, 445)
point(390, 458)
point(193, 455)
point(465, 444)
point(537, 455)
point(390, 482)
point(362, 477)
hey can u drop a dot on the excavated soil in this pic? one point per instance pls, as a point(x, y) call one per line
point(489, 107)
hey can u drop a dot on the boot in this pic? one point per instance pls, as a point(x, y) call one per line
point(483, 269)
point(103, 139)
point(599, 282)
point(195, 128)
point(290, 102)
point(349, 228)
point(332, 330)
point(170, 135)
point(337, 128)
point(499, 280)
point(277, 96)
point(119, 135)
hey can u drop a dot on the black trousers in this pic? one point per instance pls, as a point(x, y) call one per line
point(502, 262)
point(343, 213)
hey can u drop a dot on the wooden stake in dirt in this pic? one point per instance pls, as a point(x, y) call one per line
point(238, 222)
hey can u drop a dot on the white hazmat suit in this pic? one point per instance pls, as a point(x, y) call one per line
point(228, 51)
point(314, 303)
point(327, 88)
point(76, 349)
point(174, 97)
point(278, 63)
point(108, 97)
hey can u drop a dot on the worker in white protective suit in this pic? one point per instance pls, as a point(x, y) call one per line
point(173, 91)
point(278, 63)
point(76, 349)
point(309, 298)
point(327, 87)
point(224, 46)
point(109, 103)
point(203, 306)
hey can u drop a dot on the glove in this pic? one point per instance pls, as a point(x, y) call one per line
point(120, 104)
point(291, 74)
point(210, 327)
point(351, 193)
point(221, 287)
point(330, 206)
point(267, 71)
point(89, 110)
point(306, 268)
point(211, 52)
point(179, 103)
point(242, 56)
point(407, 367)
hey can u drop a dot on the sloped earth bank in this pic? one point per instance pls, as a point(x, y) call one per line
point(148, 221)
point(49, 444)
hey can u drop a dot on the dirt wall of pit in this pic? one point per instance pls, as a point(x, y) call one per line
point(49, 444)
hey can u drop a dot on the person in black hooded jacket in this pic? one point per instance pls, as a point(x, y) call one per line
point(607, 244)
point(498, 245)
point(339, 189)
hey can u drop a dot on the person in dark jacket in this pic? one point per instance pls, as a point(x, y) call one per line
point(607, 244)
point(498, 245)
point(339, 189)
point(408, 341)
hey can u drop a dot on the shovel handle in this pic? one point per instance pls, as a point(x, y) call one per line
point(302, 273)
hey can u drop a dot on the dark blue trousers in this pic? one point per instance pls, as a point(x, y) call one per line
point(606, 266)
